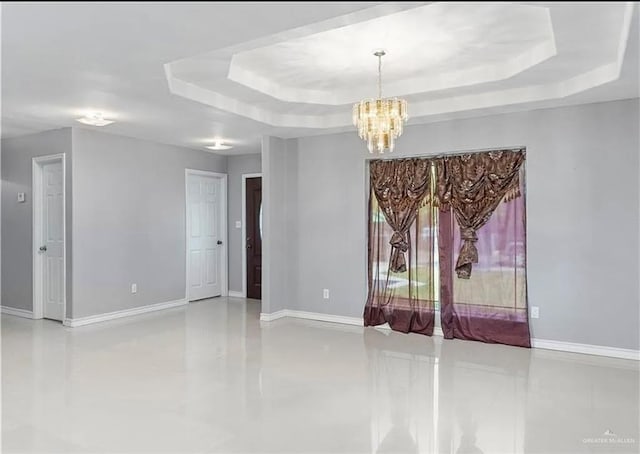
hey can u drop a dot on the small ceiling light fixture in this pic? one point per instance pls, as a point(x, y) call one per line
point(219, 145)
point(94, 119)
point(379, 121)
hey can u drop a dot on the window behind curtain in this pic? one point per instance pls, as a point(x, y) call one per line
point(422, 262)
point(498, 278)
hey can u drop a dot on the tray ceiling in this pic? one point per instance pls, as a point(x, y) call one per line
point(443, 57)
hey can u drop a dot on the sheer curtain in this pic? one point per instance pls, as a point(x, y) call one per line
point(401, 258)
point(468, 253)
point(491, 304)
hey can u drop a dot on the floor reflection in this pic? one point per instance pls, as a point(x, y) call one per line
point(211, 377)
point(436, 397)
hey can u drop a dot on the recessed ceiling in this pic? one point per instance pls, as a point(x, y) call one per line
point(293, 68)
point(443, 57)
point(429, 48)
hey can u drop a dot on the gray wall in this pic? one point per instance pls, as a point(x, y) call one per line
point(17, 218)
point(582, 215)
point(129, 220)
point(236, 167)
point(279, 160)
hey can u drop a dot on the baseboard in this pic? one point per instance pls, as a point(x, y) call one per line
point(311, 316)
point(17, 312)
point(571, 347)
point(74, 322)
point(234, 294)
point(324, 317)
point(587, 349)
point(272, 316)
point(356, 321)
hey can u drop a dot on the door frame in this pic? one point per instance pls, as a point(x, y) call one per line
point(244, 229)
point(223, 211)
point(37, 164)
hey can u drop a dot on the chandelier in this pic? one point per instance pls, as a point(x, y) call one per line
point(379, 121)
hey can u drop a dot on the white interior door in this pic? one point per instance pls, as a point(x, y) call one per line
point(52, 248)
point(205, 234)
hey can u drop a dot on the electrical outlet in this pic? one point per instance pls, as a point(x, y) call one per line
point(535, 312)
point(325, 293)
point(134, 288)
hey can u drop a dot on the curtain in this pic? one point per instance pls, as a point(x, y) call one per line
point(490, 305)
point(473, 185)
point(401, 246)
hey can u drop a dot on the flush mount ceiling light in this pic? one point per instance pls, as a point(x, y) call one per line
point(219, 145)
point(379, 121)
point(94, 119)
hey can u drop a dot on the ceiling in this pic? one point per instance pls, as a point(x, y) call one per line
point(429, 48)
point(186, 73)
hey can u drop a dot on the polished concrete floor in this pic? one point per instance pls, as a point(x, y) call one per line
point(210, 377)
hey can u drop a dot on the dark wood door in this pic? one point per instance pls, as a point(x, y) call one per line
point(254, 237)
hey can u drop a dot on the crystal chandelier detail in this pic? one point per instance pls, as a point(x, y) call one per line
point(379, 121)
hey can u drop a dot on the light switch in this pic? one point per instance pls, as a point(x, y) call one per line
point(20, 197)
point(238, 224)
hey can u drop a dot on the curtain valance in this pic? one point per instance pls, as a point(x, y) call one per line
point(473, 185)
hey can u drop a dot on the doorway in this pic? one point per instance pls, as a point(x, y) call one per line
point(252, 235)
point(49, 240)
point(206, 234)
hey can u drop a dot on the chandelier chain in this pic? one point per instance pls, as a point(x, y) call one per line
point(379, 76)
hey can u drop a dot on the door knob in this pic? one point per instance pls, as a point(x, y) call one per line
point(219, 242)
point(43, 248)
